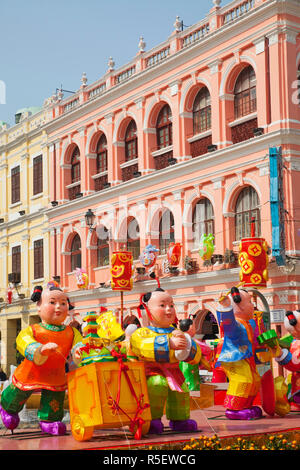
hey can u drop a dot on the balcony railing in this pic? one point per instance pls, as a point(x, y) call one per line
point(183, 40)
point(243, 131)
point(71, 105)
point(74, 192)
point(195, 36)
point(125, 75)
point(238, 11)
point(128, 172)
point(97, 91)
point(158, 57)
point(200, 146)
point(164, 160)
point(101, 182)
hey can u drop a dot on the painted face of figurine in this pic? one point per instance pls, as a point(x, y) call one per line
point(244, 310)
point(53, 307)
point(162, 309)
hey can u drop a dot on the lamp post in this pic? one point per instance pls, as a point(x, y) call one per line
point(89, 219)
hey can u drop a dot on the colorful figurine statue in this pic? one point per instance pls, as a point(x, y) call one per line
point(161, 346)
point(289, 356)
point(46, 347)
point(235, 315)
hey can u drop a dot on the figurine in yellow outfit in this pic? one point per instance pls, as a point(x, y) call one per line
point(45, 347)
point(161, 346)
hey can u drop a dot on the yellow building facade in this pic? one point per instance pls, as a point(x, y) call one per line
point(24, 236)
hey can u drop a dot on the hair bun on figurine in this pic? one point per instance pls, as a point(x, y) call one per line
point(185, 324)
point(144, 298)
point(37, 294)
point(235, 294)
point(291, 318)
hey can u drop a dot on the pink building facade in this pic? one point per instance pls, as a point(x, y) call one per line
point(176, 144)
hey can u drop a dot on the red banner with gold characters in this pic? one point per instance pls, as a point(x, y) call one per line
point(253, 260)
point(121, 270)
point(174, 253)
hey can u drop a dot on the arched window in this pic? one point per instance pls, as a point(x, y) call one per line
point(247, 208)
point(75, 166)
point(74, 188)
point(101, 161)
point(76, 252)
point(166, 231)
point(202, 111)
point(131, 149)
point(133, 238)
point(164, 127)
point(203, 219)
point(102, 247)
point(245, 93)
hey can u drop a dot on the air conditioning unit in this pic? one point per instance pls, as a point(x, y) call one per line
point(14, 278)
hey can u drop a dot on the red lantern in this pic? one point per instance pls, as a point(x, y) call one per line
point(9, 296)
point(174, 253)
point(121, 271)
point(253, 260)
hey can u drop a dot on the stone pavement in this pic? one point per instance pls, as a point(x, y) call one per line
point(28, 437)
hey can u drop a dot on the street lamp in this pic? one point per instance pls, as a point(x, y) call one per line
point(89, 219)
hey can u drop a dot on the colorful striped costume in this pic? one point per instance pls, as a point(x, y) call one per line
point(48, 376)
point(237, 360)
point(165, 381)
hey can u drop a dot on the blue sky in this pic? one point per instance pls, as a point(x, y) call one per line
point(46, 44)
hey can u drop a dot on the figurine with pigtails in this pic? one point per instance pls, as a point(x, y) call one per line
point(237, 359)
point(45, 347)
point(161, 346)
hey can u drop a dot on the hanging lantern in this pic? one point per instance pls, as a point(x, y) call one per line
point(174, 253)
point(121, 271)
point(82, 278)
point(253, 260)
point(9, 295)
point(207, 246)
point(148, 256)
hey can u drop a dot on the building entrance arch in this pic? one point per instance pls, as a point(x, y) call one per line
point(206, 325)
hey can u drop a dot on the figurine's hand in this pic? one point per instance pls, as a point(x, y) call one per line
point(48, 349)
point(225, 301)
point(178, 340)
point(77, 354)
point(276, 351)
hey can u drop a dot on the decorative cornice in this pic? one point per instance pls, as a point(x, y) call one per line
point(173, 61)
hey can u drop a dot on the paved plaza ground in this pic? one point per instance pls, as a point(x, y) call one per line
point(211, 421)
